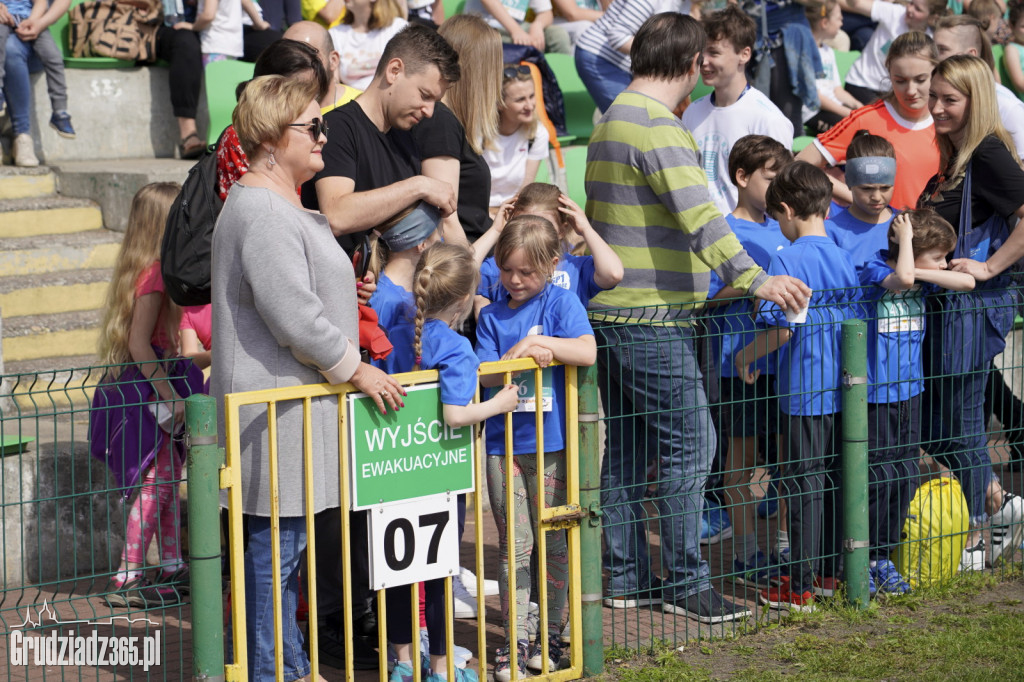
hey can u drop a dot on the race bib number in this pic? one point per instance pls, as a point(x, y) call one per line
point(899, 314)
point(528, 392)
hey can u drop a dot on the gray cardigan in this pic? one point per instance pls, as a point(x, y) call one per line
point(284, 314)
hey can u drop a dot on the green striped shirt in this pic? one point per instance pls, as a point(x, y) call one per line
point(647, 196)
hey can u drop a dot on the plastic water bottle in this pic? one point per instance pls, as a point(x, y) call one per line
point(173, 12)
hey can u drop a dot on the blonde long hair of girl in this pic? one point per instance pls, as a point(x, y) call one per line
point(445, 274)
point(476, 96)
point(972, 77)
point(139, 249)
point(537, 238)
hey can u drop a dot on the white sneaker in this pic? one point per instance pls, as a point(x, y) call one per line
point(24, 151)
point(973, 558)
point(1007, 527)
point(464, 603)
point(469, 582)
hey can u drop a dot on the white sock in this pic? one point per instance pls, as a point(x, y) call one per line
point(781, 541)
point(125, 576)
point(744, 547)
point(172, 566)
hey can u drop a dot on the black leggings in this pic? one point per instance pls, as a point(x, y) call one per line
point(181, 49)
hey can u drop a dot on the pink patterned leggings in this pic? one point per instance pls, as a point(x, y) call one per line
point(157, 502)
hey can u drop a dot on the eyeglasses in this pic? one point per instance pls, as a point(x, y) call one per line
point(522, 72)
point(316, 128)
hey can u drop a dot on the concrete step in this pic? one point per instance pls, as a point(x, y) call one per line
point(20, 183)
point(41, 254)
point(56, 292)
point(50, 336)
point(47, 216)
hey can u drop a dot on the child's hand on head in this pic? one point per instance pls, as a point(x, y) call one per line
point(503, 215)
point(365, 288)
point(902, 227)
point(507, 398)
point(577, 219)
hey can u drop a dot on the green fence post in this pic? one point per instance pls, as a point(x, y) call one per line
point(855, 462)
point(205, 460)
point(590, 529)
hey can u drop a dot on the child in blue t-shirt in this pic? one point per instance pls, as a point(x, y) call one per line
point(862, 229)
point(547, 323)
point(585, 276)
point(396, 251)
point(895, 309)
point(807, 377)
point(443, 284)
point(749, 412)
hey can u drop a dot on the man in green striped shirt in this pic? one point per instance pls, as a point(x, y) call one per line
point(647, 196)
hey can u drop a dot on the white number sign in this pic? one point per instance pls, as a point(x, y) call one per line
point(414, 541)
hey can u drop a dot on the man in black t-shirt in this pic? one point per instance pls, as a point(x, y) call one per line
point(371, 169)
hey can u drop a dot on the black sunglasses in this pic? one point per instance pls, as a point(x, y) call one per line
point(522, 71)
point(316, 127)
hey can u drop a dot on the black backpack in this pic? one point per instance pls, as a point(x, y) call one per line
point(188, 236)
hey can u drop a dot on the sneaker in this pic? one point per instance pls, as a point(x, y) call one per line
point(768, 507)
point(61, 122)
point(468, 579)
point(719, 527)
point(332, 650)
point(707, 606)
point(648, 597)
point(1007, 527)
point(401, 673)
point(872, 587)
point(140, 593)
point(180, 580)
point(461, 675)
point(503, 661)
point(780, 557)
point(554, 655)
point(759, 572)
point(782, 598)
point(887, 579)
point(973, 558)
point(464, 605)
point(24, 151)
point(824, 587)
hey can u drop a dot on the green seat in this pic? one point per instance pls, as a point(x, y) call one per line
point(844, 60)
point(60, 30)
point(221, 80)
point(543, 171)
point(453, 7)
point(800, 142)
point(575, 169)
point(579, 106)
point(998, 55)
point(700, 90)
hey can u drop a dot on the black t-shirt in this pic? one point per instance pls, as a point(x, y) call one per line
point(443, 135)
point(357, 150)
point(997, 186)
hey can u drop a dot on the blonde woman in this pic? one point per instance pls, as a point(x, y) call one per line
point(465, 125)
point(974, 148)
point(366, 28)
point(522, 143)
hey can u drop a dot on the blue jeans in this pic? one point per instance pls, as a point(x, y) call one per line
point(259, 599)
point(17, 86)
point(659, 432)
point(603, 79)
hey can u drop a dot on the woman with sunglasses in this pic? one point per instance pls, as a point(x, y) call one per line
point(522, 143)
point(284, 314)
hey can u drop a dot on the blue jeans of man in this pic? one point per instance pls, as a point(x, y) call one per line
point(659, 432)
point(603, 79)
point(259, 599)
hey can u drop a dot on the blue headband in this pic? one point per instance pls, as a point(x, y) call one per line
point(870, 170)
point(413, 229)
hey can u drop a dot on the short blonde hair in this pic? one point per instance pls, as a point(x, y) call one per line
point(536, 236)
point(267, 105)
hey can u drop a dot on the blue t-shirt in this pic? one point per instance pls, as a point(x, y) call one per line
point(731, 324)
point(896, 323)
point(451, 354)
point(19, 8)
point(552, 312)
point(807, 377)
point(575, 273)
point(396, 310)
point(859, 239)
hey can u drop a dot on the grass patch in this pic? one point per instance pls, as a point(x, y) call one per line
point(971, 628)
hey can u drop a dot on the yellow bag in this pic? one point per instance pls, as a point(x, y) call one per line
point(934, 534)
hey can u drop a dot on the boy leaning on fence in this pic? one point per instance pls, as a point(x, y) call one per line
point(894, 308)
point(807, 380)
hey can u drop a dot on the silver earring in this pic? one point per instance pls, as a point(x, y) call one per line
point(271, 161)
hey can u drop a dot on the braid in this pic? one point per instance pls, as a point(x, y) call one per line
point(419, 288)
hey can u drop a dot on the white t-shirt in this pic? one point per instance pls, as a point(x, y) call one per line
point(826, 86)
point(224, 35)
point(869, 70)
point(508, 162)
point(716, 130)
point(515, 8)
point(1011, 111)
point(360, 52)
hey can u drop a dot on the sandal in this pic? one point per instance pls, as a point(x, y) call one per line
point(187, 151)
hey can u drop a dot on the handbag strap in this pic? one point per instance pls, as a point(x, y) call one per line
point(966, 217)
